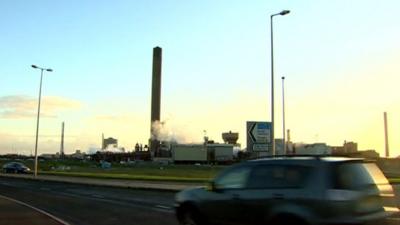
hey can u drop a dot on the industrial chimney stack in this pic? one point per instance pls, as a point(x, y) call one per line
point(155, 98)
point(62, 141)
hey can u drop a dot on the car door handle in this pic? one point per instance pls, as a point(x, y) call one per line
point(278, 196)
point(235, 196)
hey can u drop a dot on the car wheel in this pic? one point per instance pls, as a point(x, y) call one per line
point(190, 217)
point(288, 220)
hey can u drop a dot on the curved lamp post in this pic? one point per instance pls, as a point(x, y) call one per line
point(38, 114)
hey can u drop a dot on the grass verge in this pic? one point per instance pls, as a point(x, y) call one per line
point(394, 180)
point(127, 176)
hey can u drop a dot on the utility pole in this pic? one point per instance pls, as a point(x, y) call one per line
point(282, 13)
point(386, 135)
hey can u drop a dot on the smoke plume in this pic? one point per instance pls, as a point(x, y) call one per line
point(164, 131)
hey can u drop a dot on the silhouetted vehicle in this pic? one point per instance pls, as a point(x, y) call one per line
point(15, 167)
point(291, 190)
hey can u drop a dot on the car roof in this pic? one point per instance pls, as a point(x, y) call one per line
point(9, 163)
point(297, 158)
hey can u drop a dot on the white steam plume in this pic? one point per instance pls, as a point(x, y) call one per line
point(164, 131)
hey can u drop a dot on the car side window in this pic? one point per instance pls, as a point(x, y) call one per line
point(278, 176)
point(233, 179)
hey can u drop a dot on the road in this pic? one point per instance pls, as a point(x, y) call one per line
point(80, 204)
point(84, 205)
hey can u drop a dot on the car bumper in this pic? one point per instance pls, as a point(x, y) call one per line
point(371, 218)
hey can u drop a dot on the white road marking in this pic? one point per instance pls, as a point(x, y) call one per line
point(36, 209)
point(163, 207)
point(98, 196)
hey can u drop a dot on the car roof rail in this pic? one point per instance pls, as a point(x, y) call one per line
point(292, 156)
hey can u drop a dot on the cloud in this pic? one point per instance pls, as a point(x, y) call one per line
point(21, 106)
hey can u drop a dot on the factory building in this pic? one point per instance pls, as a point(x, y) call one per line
point(106, 142)
point(230, 137)
point(202, 153)
point(312, 149)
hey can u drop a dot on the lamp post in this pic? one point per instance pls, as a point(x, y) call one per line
point(38, 114)
point(284, 12)
point(283, 116)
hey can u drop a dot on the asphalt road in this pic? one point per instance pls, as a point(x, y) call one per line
point(83, 205)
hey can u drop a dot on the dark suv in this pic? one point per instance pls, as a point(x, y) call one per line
point(15, 167)
point(291, 190)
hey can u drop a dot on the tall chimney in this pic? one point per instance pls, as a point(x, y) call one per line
point(288, 141)
point(386, 135)
point(62, 141)
point(155, 96)
point(102, 141)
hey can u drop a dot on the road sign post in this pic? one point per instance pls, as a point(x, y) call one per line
point(259, 138)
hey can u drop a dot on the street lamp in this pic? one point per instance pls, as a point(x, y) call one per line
point(284, 12)
point(283, 116)
point(38, 114)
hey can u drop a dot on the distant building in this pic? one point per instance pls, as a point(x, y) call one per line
point(230, 138)
point(350, 147)
point(312, 149)
point(109, 141)
point(368, 154)
point(347, 148)
point(48, 156)
point(337, 150)
point(77, 155)
point(279, 147)
point(210, 152)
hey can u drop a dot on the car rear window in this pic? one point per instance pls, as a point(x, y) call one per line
point(356, 175)
point(278, 176)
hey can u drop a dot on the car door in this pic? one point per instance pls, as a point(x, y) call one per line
point(273, 188)
point(14, 168)
point(223, 205)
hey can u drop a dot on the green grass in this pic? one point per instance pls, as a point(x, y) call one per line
point(394, 180)
point(128, 176)
point(141, 171)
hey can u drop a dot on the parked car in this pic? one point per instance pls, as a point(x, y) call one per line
point(15, 167)
point(291, 190)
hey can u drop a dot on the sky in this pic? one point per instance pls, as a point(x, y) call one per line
point(340, 60)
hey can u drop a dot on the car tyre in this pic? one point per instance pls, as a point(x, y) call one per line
point(288, 221)
point(190, 217)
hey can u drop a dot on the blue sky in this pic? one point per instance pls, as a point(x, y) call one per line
point(340, 60)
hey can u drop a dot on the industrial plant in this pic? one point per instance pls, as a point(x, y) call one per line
point(258, 136)
point(169, 151)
